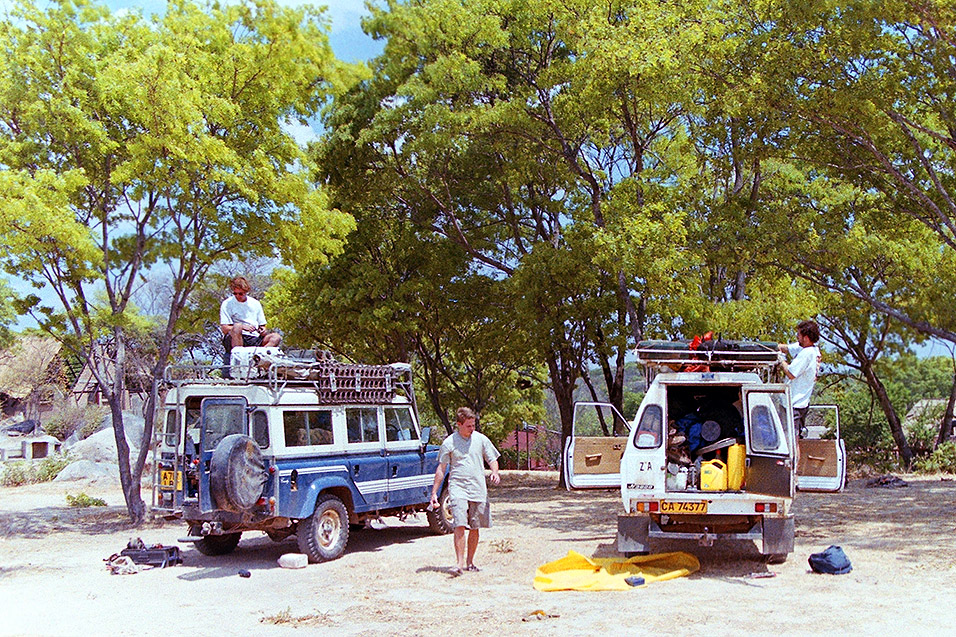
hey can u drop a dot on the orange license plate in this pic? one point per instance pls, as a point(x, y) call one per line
point(698, 508)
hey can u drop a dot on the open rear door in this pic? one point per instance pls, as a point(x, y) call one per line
point(592, 455)
point(768, 430)
point(822, 464)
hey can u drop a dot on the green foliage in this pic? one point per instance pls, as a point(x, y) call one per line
point(132, 146)
point(942, 460)
point(81, 500)
point(16, 473)
point(67, 418)
point(8, 314)
point(20, 472)
point(50, 467)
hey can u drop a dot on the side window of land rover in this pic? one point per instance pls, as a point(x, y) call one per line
point(362, 424)
point(307, 427)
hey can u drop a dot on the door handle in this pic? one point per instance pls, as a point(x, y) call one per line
point(394, 470)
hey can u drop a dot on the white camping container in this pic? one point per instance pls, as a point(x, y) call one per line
point(243, 361)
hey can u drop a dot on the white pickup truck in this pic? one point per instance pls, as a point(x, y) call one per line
point(711, 454)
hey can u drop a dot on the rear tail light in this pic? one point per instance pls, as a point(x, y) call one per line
point(647, 507)
point(765, 507)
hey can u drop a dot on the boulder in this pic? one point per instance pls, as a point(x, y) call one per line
point(88, 470)
point(100, 447)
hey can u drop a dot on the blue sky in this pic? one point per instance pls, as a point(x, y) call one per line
point(348, 41)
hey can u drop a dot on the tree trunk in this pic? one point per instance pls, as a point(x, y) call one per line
point(896, 428)
point(562, 384)
point(946, 426)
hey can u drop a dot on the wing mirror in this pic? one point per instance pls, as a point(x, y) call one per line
point(426, 436)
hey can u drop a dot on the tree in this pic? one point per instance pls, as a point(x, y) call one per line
point(129, 145)
point(544, 142)
point(877, 115)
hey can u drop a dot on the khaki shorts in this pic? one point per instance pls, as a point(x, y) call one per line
point(473, 515)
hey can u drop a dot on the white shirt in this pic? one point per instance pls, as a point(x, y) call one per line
point(803, 366)
point(249, 311)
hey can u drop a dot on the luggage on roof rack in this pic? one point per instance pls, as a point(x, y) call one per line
point(708, 355)
point(334, 382)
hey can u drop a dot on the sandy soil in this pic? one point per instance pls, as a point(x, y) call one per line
point(394, 579)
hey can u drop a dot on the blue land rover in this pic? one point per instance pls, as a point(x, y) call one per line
point(292, 445)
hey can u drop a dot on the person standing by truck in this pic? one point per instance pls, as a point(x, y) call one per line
point(801, 372)
point(464, 454)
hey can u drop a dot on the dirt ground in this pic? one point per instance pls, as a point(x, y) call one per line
point(394, 579)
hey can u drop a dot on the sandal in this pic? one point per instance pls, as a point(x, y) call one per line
point(454, 571)
point(471, 568)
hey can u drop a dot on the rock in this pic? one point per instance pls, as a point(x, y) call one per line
point(294, 560)
point(100, 447)
point(88, 470)
point(71, 440)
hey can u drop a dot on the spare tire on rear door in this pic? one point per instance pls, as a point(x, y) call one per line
point(237, 473)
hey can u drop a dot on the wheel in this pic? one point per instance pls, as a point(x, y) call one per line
point(215, 544)
point(237, 474)
point(775, 558)
point(440, 519)
point(323, 535)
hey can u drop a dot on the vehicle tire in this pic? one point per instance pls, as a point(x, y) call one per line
point(775, 558)
point(323, 535)
point(440, 520)
point(237, 474)
point(215, 544)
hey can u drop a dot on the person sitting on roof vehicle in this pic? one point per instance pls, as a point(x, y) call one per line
point(242, 320)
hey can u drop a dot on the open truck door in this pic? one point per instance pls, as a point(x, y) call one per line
point(592, 454)
point(769, 436)
point(822, 463)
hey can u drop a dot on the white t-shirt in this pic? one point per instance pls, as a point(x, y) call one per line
point(804, 368)
point(249, 311)
point(465, 458)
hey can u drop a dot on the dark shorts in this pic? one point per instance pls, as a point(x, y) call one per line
point(248, 340)
point(799, 421)
point(251, 341)
point(473, 515)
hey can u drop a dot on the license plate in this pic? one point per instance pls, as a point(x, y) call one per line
point(684, 507)
point(171, 479)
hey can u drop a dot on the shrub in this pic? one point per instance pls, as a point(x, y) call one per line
point(21, 472)
point(50, 467)
point(81, 500)
point(942, 460)
point(16, 474)
point(67, 418)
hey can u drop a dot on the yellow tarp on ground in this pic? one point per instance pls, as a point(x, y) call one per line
point(575, 572)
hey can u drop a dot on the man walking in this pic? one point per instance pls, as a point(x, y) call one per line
point(464, 454)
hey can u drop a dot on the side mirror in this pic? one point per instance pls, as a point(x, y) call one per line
point(426, 436)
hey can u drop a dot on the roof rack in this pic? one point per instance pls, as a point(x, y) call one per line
point(333, 381)
point(709, 356)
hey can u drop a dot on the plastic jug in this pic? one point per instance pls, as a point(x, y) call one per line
point(736, 459)
point(713, 476)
